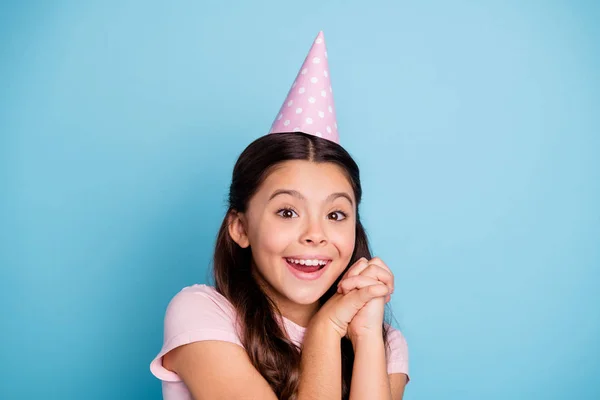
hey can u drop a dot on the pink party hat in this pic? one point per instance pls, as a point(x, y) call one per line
point(309, 106)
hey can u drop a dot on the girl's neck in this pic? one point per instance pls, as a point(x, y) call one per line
point(300, 314)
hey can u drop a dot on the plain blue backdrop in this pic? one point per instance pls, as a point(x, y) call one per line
point(476, 125)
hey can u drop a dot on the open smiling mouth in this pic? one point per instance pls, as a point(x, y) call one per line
point(307, 266)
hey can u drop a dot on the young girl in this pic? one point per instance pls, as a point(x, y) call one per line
point(297, 309)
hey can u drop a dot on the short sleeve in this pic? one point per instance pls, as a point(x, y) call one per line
point(397, 352)
point(196, 313)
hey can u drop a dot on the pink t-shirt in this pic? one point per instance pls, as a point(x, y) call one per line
point(199, 313)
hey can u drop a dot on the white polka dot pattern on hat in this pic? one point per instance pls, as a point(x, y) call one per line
point(306, 105)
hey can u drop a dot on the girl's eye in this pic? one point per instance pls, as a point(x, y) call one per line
point(337, 216)
point(286, 213)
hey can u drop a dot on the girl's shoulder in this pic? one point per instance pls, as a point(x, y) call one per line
point(199, 307)
point(197, 297)
point(196, 313)
point(202, 290)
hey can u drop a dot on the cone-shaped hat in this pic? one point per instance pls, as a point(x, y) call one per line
point(309, 105)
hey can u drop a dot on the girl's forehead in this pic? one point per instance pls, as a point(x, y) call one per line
point(306, 172)
point(307, 176)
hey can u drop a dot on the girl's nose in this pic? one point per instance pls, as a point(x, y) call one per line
point(314, 234)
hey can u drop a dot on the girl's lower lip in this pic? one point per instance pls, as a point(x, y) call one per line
point(307, 276)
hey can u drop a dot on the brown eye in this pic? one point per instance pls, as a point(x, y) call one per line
point(286, 213)
point(337, 216)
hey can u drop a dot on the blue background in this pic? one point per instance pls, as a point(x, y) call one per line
point(476, 125)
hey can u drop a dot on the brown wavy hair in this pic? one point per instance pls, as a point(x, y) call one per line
point(270, 350)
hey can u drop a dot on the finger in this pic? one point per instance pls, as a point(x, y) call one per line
point(379, 261)
point(358, 267)
point(367, 282)
point(377, 272)
point(355, 300)
point(356, 282)
point(351, 303)
point(373, 271)
point(368, 293)
point(360, 264)
point(359, 282)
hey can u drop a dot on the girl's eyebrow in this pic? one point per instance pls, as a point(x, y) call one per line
point(299, 195)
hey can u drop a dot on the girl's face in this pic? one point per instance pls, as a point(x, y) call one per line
point(302, 211)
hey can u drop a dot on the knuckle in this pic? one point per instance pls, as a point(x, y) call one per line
point(354, 272)
point(358, 262)
point(372, 268)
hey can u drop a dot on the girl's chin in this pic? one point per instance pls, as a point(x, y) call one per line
point(306, 296)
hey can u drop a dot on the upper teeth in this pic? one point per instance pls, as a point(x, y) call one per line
point(307, 262)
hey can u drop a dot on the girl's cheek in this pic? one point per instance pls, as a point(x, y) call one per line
point(345, 243)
